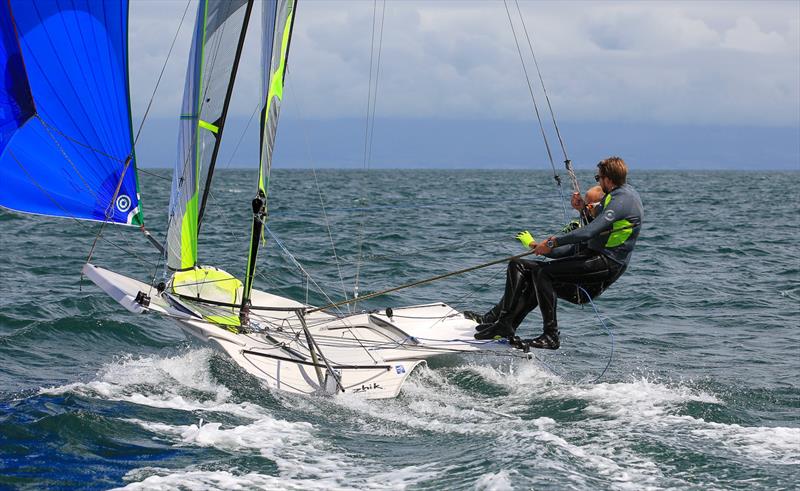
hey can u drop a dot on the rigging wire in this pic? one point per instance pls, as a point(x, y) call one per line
point(241, 137)
point(538, 115)
point(541, 81)
point(377, 80)
point(160, 75)
point(567, 162)
point(321, 198)
point(294, 261)
point(369, 131)
point(308, 277)
point(330, 234)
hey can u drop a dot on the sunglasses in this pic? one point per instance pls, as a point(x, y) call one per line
point(597, 177)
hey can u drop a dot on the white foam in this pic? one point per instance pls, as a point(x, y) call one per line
point(178, 382)
point(773, 444)
point(637, 400)
point(200, 479)
point(500, 481)
point(604, 444)
point(213, 480)
point(293, 447)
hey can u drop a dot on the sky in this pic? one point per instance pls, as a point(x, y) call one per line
point(675, 84)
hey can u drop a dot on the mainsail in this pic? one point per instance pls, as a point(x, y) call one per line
point(277, 19)
point(216, 48)
point(66, 143)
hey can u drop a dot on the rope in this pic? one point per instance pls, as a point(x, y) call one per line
point(294, 261)
point(153, 174)
point(607, 329)
point(64, 154)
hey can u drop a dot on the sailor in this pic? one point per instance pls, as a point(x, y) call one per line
point(517, 282)
point(587, 206)
point(586, 259)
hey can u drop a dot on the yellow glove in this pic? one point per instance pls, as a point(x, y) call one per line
point(526, 238)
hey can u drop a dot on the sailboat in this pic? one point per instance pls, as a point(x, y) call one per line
point(67, 149)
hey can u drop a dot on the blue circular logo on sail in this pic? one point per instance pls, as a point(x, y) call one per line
point(123, 203)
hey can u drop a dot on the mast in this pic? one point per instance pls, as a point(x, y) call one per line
point(278, 24)
point(220, 123)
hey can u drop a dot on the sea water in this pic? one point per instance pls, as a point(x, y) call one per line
point(702, 391)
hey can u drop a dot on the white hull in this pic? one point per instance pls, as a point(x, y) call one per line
point(370, 353)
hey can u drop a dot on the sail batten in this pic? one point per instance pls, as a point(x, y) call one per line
point(66, 145)
point(216, 48)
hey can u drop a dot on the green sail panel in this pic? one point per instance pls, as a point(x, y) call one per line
point(212, 62)
point(273, 74)
point(278, 20)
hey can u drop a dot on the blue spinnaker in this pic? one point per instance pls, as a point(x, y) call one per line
point(16, 102)
point(73, 157)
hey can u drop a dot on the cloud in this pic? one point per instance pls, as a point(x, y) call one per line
point(688, 62)
point(747, 36)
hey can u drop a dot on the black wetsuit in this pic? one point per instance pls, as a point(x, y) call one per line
point(589, 258)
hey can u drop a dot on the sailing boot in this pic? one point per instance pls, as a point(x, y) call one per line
point(500, 329)
point(548, 340)
point(489, 317)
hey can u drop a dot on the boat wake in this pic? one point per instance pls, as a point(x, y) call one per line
point(476, 425)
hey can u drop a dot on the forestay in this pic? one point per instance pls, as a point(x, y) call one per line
point(66, 145)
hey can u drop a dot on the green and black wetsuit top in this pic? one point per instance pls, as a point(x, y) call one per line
point(616, 227)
